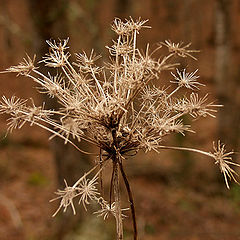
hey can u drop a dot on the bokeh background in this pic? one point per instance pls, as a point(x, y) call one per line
point(178, 195)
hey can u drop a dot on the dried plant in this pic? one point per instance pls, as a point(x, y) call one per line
point(116, 107)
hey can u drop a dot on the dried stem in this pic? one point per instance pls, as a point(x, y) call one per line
point(117, 199)
point(130, 197)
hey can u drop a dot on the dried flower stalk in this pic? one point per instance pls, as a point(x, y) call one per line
point(116, 107)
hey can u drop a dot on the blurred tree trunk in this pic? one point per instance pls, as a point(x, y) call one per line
point(188, 21)
point(227, 85)
point(123, 8)
point(50, 20)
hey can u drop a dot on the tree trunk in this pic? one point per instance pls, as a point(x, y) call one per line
point(50, 20)
point(122, 8)
point(227, 86)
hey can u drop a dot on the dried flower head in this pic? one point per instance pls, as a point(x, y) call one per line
point(67, 195)
point(57, 55)
point(223, 159)
point(179, 49)
point(108, 210)
point(88, 190)
point(23, 68)
point(188, 80)
point(116, 107)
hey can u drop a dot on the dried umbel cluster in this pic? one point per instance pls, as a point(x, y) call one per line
point(116, 107)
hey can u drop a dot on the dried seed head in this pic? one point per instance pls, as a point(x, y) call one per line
point(126, 28)
point(223, 160)
point(88, 191)
point(11, 105)
point(179, 49)
point(114, 106)
point(57, 57)
point(188, 80)
point(67, 195)
point(108, 210)
point(87, 64)
point(23, 68)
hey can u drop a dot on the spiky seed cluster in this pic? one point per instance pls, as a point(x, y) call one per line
point(179, 49)
point(188, 80)
point(23, 68)
point(85, 189)
point(106, 210)
point(224, 159)
point(115, 107)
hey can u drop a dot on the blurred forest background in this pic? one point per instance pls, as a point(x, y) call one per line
point(178, 195)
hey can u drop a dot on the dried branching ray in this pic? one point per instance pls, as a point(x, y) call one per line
point(116, 107)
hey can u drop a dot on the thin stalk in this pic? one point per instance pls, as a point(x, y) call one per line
point(98, 84)
point(117, 199)
point(130, 197)
point(59, 135)
point(116, 189)
point(173, 92)
point(117, 62)
point(111, 183)
point(69, 78)
point(187, 149)
point(101, 175)
point(134, 45)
